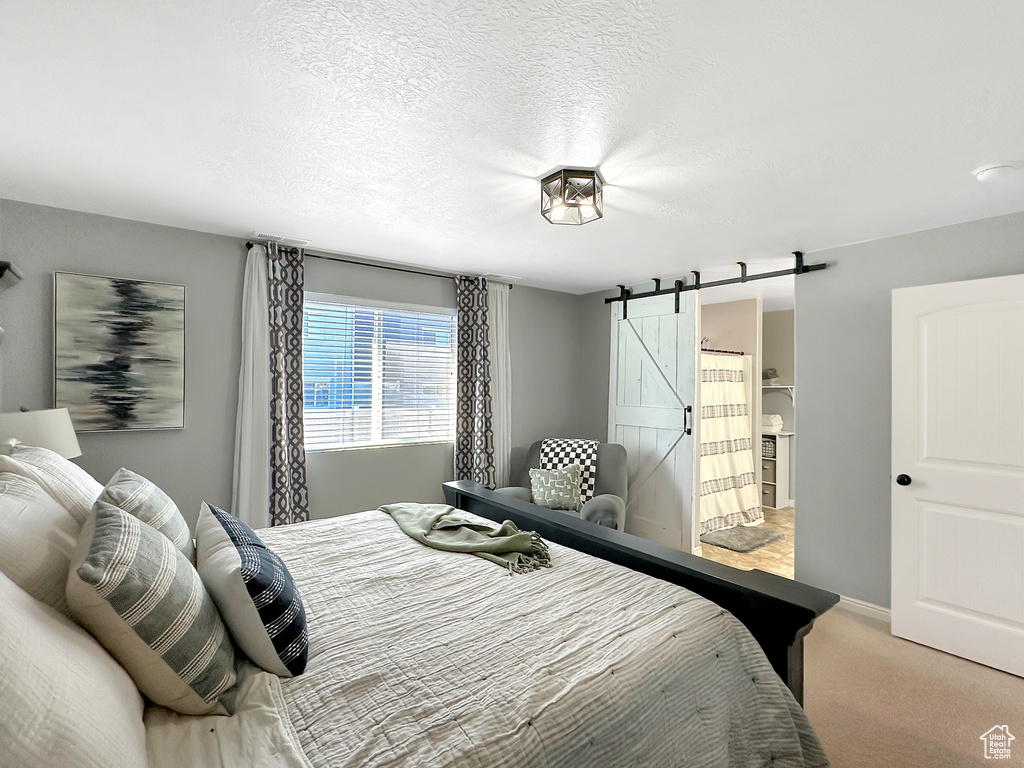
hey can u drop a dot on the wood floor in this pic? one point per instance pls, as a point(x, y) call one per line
point(776, 557)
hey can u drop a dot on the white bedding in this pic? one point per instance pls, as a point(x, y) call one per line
point(257, 735)
point(428, 658)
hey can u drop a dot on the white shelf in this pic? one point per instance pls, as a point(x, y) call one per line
point(789, 389)
point(775, 471)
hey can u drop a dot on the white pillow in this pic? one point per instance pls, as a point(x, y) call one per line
point(37, 537)
point(254, 592)
point(65, 702)
point(68, 483)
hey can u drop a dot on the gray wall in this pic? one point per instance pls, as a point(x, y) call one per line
point(553, 374)
point(191, 464)
point(592, 376)
point(777, 343)
point(195, 464)
point(843, 372)
point(547, 359)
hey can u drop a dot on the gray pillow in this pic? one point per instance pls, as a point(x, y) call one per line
point(140, 498)
point(557, 488)
point(147, 606)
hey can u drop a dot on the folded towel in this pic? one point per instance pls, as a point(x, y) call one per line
point(771, 421)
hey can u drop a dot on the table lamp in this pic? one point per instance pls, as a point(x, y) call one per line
point(50, 429)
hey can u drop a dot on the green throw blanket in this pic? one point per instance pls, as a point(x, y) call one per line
point(438, 526)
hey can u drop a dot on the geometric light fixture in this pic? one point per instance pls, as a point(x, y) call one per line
point(572, 196)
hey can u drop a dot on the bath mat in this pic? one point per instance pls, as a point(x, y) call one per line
point(741, 538)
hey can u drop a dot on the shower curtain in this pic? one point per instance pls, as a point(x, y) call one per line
point(728, 491)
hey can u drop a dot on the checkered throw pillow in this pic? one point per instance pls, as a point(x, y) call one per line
point(556, 452)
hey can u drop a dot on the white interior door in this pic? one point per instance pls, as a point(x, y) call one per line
point(958, 438)
point(653, 364)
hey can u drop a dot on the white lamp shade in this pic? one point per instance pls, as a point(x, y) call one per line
point(50, 429)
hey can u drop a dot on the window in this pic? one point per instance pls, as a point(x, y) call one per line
point(375, 375)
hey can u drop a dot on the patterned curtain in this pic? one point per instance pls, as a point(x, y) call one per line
point(289, 501)
point(474, 440)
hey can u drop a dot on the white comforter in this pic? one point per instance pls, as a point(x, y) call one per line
point(428, 658)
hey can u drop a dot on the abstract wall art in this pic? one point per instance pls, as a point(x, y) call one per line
point(119, 352)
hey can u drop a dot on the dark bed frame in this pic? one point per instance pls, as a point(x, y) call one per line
point(777, 611)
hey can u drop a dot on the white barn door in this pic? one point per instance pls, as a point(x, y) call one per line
point(958, 469)
point(653, 380)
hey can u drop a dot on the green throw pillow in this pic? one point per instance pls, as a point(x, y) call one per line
point(557, 488)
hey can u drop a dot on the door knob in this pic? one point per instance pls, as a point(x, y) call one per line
point(902, 479)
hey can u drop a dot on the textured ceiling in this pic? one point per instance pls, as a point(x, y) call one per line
point(417, 131)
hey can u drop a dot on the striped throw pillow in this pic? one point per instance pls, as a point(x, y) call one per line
point(254, 591)
point(145, 603)
point(142, 499)
point(72, 487)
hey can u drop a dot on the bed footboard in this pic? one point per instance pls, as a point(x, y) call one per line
point(777, 611)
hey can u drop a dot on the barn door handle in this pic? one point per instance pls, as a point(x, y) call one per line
point(902, 479)
point(687, 428)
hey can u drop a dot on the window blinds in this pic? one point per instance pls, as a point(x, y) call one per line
point(376, 375)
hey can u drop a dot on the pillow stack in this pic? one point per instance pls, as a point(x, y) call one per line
point(121, 561)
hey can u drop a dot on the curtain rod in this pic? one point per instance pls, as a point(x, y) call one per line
point(343, 260)
point(626, 294)
point(721, 351)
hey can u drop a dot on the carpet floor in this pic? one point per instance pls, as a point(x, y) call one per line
point(879, 701)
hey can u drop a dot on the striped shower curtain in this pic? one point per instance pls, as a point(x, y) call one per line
point(728, 490)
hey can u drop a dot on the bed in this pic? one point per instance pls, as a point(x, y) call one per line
point(419, 657)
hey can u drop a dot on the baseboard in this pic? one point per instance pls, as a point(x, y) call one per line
point(698, 550)
point(866, 609)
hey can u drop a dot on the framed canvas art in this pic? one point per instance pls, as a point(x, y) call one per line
point(119, 352)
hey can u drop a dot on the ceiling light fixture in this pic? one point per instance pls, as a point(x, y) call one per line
point(572, 196)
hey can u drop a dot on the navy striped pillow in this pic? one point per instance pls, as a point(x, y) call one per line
point(254, 592)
